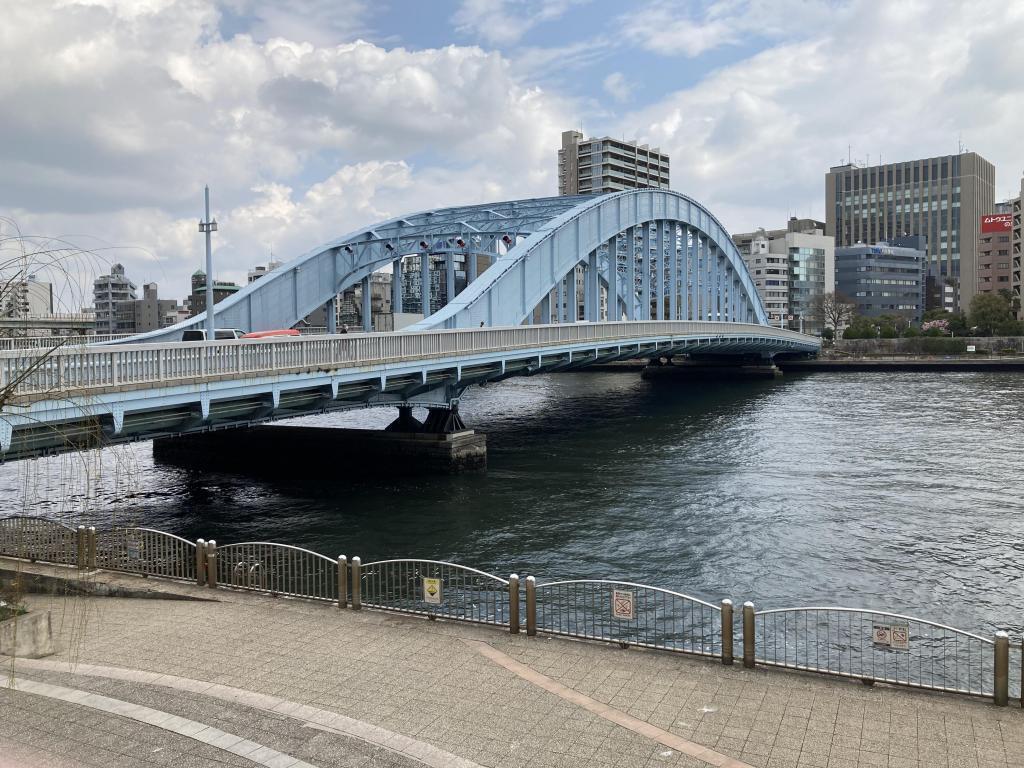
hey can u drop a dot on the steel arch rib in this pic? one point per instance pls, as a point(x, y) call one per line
point(282, 297)
point(510, 290)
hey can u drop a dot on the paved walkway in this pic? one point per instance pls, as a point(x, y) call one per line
point(330, 687)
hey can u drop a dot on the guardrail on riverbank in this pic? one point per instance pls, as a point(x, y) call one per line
point(864, 644)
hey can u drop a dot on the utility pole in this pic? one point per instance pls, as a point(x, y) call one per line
point(209, 227)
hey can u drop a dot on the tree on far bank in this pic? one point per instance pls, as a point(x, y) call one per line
point(990, 311)
point(833, 309)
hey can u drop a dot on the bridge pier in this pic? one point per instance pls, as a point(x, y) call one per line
point(301, 452)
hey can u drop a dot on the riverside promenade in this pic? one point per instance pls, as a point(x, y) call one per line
point(233, 678)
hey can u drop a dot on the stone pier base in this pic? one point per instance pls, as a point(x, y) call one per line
point(301, 450)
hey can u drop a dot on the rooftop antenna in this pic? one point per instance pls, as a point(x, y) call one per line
point(959, 144)
point(849, 154)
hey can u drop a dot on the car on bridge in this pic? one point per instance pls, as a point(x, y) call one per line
point(220, 334)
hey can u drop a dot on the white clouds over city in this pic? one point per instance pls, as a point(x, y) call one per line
point(310, 118)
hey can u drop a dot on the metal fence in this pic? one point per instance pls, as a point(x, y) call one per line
point(37, 538)
point(145, 551)
point(437, 589)
point(869, 645)
point(875, 646)
point(630, 614)
point(279, 569)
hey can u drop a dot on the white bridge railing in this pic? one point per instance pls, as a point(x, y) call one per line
point(64, 370)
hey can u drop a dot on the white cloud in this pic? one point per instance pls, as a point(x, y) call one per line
point(673, 28)
point(119, 112)
point(506, 21)
point(754, 139)
point(618, 87)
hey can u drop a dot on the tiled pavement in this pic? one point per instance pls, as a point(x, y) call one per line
point(430, 682)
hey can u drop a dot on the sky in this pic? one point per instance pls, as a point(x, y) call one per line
point(313, 118)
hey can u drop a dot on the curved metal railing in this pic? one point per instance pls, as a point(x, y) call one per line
point(875, 646)
point(435, 588)
point(147, 551)
point(279, 569)
point(629, 613)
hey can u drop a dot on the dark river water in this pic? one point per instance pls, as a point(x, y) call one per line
point(894, 491)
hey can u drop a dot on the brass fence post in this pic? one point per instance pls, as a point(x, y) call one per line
point(342, 581)
point(531, 606)
point(1001, 676)
point(748, 635)
point(90, 547)
point(80, 547)
point(727, 631)
point(211, 564)
point(200, 562)
point(357, 583)
point(513, 604)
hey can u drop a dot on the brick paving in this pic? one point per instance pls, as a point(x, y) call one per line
point(428, 681)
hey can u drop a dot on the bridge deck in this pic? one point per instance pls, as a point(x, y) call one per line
point(144, 390)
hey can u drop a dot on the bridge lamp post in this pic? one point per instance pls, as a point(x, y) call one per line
point(209, 227)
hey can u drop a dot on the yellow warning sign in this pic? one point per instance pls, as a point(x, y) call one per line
point(432, 591)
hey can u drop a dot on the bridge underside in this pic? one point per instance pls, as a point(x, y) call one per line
point(112, 417)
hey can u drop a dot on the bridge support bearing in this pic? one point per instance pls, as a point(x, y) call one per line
point(405, 422)
point(444, 421)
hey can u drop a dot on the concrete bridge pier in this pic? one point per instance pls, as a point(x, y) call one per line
point(441, 444)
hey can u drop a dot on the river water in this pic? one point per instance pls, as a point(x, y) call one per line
point(880, 490)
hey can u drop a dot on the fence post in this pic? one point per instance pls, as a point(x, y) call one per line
point(357, 583)
point(90, 547)
point(200, 562)
point(727, 631)
point(513, 604)
point(342, 581)
point(531, 606)
point(748, 635)
point(211, 564)
point(80, 547)
point(1001, 677)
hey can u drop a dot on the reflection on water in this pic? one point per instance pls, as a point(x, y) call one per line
point(896, 491)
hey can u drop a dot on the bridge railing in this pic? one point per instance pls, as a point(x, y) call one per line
point(862, 644)
point(67, 369)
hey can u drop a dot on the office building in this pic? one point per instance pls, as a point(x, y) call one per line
point(790, 268)
point(150, 313)
point(884, 278)
point(600, 166)
point(107, 292)
point(940, 198)
point(994, 272)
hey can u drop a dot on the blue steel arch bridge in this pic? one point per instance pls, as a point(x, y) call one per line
point(548, 284)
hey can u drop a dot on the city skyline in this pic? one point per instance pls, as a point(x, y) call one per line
point(304, 133)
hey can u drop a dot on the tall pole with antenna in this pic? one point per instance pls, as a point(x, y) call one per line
point(209, 227)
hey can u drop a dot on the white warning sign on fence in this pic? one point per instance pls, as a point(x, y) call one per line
point(899, 636)
point(623, 604)
point(895, 635)
point(432, 591)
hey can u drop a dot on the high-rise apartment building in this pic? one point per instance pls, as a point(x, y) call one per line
point(1016, 248)
point(150, 313)
point(790, 268)
point(939, 198)
point(600, 166)
point(107, 292)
